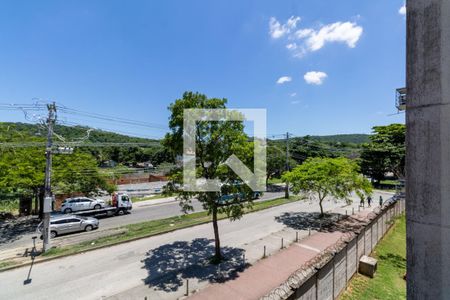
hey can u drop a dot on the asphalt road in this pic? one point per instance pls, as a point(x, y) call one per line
point(156, 266)
point(148, 211)
point(142, 211)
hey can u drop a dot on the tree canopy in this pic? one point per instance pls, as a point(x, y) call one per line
point(215, 142)
point(334, 177)
point(22, 170)
point(385, 152)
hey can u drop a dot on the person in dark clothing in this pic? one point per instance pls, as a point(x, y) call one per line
point(361, 203)
point(381, 200)
point(369, 200)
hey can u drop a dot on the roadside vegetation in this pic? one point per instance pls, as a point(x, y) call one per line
point(86, 171)
point(388, 283)
point(9, 206)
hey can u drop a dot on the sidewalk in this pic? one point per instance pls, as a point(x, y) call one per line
point(268, 273)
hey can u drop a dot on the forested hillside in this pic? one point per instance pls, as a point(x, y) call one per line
point(342, 138)
point(102, 145)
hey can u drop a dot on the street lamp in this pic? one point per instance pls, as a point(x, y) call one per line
point(400, 99)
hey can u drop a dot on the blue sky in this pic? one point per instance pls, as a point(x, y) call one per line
point(132, 58)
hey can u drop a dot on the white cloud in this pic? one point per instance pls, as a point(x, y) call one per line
point(295, 101)
point(293, 94)
point(339, 32)
point(315, 77)
point(291, 46)
point(276, 30)
point(302, 33)
point(284, 79)
point(304, 40)
point(402, 10)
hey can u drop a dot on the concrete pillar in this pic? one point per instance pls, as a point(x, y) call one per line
point(428, 149)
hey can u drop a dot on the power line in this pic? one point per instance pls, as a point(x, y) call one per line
point(99, 129)
point(115, 119)
point(88, 145)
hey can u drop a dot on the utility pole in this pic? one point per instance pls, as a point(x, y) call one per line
point(286, 188)
point(48, 197)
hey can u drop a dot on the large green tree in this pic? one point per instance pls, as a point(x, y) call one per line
point(215, 142)
point(22, 172)
point(385, 152)
point(328, 177)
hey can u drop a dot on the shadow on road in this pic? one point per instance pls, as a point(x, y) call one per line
point(169, 265)
point(13, 229)
point(329, 223)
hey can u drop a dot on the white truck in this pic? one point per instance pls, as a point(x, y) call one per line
point(120, 205)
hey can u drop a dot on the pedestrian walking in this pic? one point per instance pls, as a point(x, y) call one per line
point(369, 200)
point(361, 203)
point(381, 200)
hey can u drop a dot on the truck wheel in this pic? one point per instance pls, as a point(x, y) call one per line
point(88, 228)
point(53, 234)
point(97, 206)
point(68, 211)
point(121, 212)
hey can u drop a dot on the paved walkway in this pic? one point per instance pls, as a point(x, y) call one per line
point(267, 274)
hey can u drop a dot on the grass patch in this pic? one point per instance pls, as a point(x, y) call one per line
point(274, 180)
point(388, 282)
point(6, 264)
point(9, 206)
point(153, 197)
point(390, 182)
point(154, 227)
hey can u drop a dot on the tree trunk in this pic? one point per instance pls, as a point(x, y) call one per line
point(218, 254)
point(36, 201)
point(286, 190)
point(321, 208)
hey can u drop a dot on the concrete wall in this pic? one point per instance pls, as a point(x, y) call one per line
point(428, 149)
point(352, 257)
point(308, 290)
point(340, 271)
point(331, 280)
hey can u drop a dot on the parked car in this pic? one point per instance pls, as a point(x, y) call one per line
point(81, 203)
point(63, 224)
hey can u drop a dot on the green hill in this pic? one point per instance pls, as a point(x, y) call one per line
point(24, 132)
point(103, 145)
point(342, 138)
